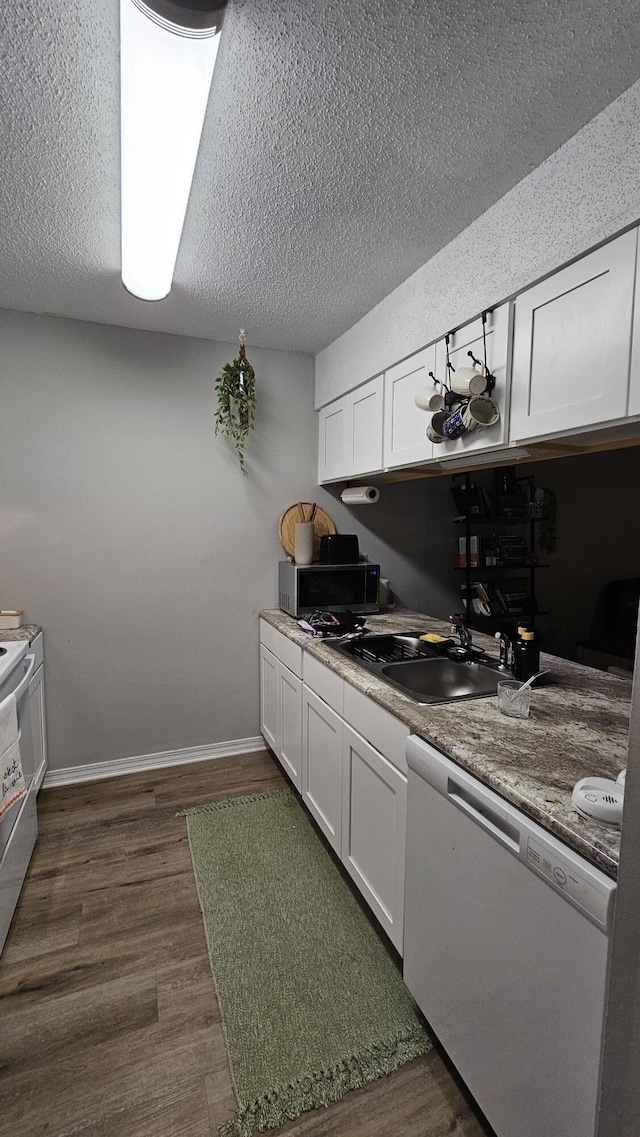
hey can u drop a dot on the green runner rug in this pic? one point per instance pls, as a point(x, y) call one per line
point(312, 1002)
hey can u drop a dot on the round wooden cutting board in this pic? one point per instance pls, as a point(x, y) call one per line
point(301, 511)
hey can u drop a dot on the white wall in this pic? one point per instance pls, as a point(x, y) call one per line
point(585, 192)
point(129, 533)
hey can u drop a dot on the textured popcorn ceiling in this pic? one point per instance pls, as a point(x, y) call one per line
point(344, 144)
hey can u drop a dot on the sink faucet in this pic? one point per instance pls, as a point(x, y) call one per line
point(458, 624)
point(505, 645)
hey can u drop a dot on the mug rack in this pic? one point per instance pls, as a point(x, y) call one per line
point(454, 417)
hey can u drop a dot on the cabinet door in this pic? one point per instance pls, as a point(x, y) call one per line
point(374, 799)
point(405, 424)
point(322, 765)
point(572, 344)
point(470, 339)
point(290, 718)
point(38, 726)
point(364, 428)
point(634, 382)
point(332, 441)
point(269, 701)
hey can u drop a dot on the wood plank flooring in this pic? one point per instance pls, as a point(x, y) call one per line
point(109, 1025)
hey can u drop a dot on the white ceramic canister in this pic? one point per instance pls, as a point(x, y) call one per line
point(303, 543)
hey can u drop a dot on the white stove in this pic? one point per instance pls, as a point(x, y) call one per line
point(18, 824)
point(11, 652)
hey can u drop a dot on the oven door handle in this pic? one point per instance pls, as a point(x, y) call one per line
point(24, 682)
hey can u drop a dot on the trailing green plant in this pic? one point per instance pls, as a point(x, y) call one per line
point(236, 391)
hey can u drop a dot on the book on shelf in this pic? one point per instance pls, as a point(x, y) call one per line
point(493, 550)
point(474, 551)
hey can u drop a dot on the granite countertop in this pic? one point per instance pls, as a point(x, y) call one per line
point(26, 632)
point(577, 728)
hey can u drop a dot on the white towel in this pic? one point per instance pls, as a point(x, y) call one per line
point(12, 784)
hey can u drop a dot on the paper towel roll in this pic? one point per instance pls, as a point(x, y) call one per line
point(360, 495)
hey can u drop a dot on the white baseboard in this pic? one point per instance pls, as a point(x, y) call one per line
point(97, 771)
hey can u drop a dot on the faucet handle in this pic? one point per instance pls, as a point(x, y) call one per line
point(459, 625)
point(505, 647)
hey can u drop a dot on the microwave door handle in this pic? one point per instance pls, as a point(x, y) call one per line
point(24, 682)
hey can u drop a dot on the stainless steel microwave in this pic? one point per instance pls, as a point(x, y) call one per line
point(332, 588)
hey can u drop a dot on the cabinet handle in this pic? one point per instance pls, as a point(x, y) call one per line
point(484, 815)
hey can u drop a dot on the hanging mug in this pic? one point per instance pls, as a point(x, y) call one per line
point(468, 381)
point(434, 430)
point(428, 400)
point(454, 426)
point(480, 411)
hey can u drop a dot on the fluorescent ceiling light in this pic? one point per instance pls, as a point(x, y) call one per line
point(165, 77)
point(500, 458)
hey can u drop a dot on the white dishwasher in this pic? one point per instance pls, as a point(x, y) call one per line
point(506, 949)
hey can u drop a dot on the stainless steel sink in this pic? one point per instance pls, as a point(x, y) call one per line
point(443, 680)
point(421, 671)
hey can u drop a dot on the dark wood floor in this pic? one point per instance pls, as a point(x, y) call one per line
point(109, 1026)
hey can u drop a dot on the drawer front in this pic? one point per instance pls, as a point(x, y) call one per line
point(381, 729)
point(283, 648)
point(325, 682)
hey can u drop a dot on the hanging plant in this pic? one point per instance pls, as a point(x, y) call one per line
point(236, 391)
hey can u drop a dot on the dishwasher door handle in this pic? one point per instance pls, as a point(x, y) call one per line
point(472, 804)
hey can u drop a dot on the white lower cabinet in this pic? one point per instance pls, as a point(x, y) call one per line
point(374, 806)
point(352, 781)
point(290, 714)
point(322, 766)
point(281, 713)
point(269, 708)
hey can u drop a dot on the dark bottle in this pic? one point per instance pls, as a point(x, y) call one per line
point(526, 656)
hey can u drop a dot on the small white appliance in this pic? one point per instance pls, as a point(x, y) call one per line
point(600, 799)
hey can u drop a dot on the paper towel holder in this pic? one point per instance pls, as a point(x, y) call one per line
point(360, 495)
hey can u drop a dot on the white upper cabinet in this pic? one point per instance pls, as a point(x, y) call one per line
point(634, 381)
point(405, 424)
point(572, 345)
point(350, 433)
point(364, 428)
point(332, 441)
point(470, 339)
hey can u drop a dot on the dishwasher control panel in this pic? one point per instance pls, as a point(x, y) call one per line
point(568, 879)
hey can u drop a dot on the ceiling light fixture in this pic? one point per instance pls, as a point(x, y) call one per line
point(168, 52)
